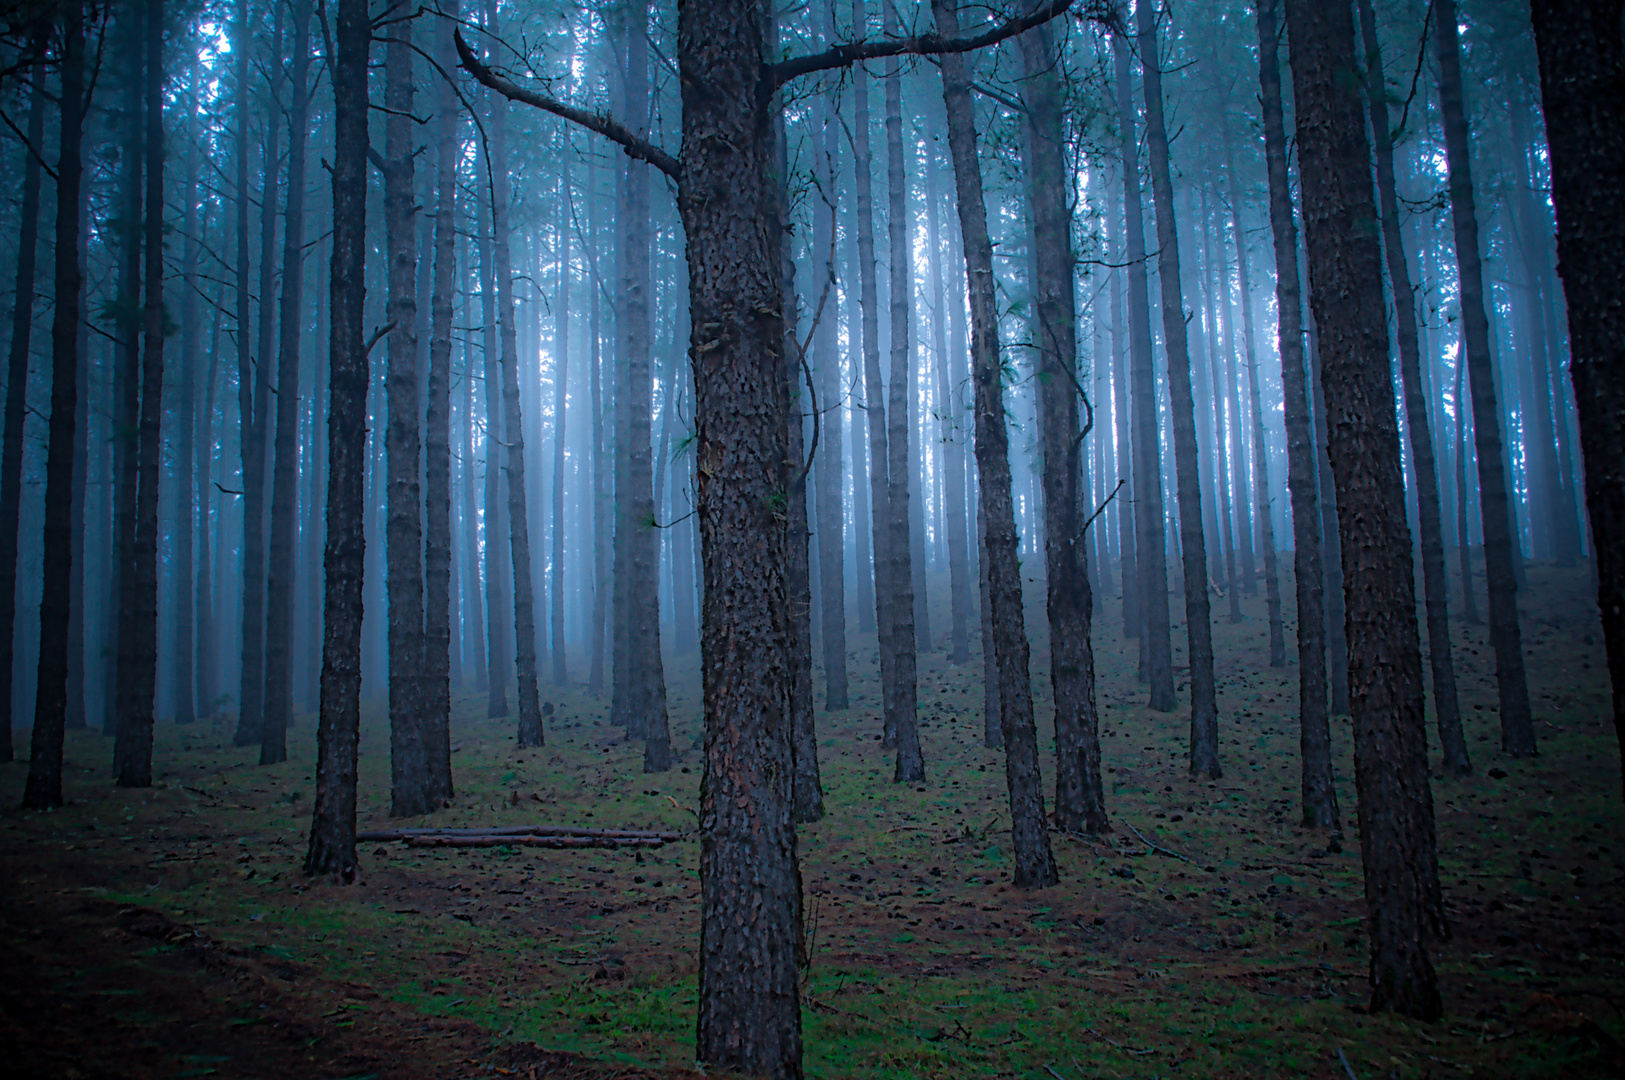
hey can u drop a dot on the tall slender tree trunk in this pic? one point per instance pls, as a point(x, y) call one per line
point(79, 677)
point(1128, 566)
point(1034, 861)
point(11, 443)
point(138, 617)
point(601, 459)
point(474, 626)
point(206, 532)
point(281, 570)
point(1385, 662)
point(332, 830)
point(953, 458)
point(561, 381)
point(1435, 583)
point(1582, 71)
point(1156, 650)
point(44, 786)
point(1517, 724)
point(126, 398)
point(184, 656)
point(1080, 802)
point(1204, 750)
point(1314, 726)
point(498, 597)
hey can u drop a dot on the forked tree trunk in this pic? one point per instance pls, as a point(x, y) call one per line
point(44, 786)
point(1034, 861)
point(332, 831)
point(1517, 725)
point(1435, 583)
point(1314, 725)
point(1204, 746)
point(1080, 803)
point(1404, 904)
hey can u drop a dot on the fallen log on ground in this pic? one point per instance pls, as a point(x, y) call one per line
point(543, 836)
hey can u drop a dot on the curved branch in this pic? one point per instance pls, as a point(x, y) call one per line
point(848, 53)
point(635, 146)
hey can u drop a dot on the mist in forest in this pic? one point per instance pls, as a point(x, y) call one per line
point(393, 390)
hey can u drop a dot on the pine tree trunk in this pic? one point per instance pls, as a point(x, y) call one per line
point(561, 381)
point(498, 597)
point(953, 458)
point(1582, 69)
point(332, 830)
point(126, 401)
point(44, 786)
point(281, 576)
point(1034, 862)
point(1204, 752)
point(204, 495)
point(1080, 803)
point(1314, 727)
point(473, 616)
point(1385, 662)
point(1517, 725)
point(1128, 567)
point(1156, 650)
point(601, 511)
point(184, 656)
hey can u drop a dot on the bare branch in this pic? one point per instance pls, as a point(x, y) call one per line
point(635, 146)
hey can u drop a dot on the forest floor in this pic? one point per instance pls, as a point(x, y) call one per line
point(169, 932)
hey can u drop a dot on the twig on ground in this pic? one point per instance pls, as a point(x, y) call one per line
point(1346, 1066)
point(1157, 847)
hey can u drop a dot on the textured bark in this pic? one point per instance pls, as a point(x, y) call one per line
point(11, 443)
point(184, 656)
point(78, 669)
point(1128, 566)
point(1204, 748)
point(1150, 556)
point(332, 830)
point(435, 685)
point(902, 710)
point(561, 381)
point(1517, 724)
point(138, 615)
point(1337, 642)
point(1385, 663)
point(1314, 727)
point(1582, 70)
point(1435, 583)
point(498, 598)
point(126, 403)
point(601, 511)
point(1080, 802)
point(473, 613)
point(1034, 862)
point(44, 786)
point(953, 457)
point(281, 575)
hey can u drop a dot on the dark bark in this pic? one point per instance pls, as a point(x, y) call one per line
point(204, 495)
point(1034, 862)
point(1430, 524)
point(1204, 751)
point(332, 831)
point(281, 576)
point(1150, 557)
point(1128, 566)
point(138, 615)
point(78, 670)
point(1517, 724)
point(184, 656)
point(498, 597)
point(11, 443)
point(1314, 727)
point(44, 786)
point(126, 397)
point(1080, 802)
point(1582, 70)
point(903, 709)
point(1385, 663)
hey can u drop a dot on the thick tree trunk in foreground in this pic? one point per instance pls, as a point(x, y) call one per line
point(280, 577)
point(1517, 724)
point(1204, 748)
point(1034, 862)
point(1156, 650)
point(1582, 71)
point(1385, 661)
point(1080, 803)
point(138, 617)
point(1314, 726)
point(403, 534)
point(44, 787)
point(332, 830)
point(1430, 523)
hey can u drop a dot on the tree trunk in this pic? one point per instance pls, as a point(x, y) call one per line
point(1150, 555)
point(1582, 69)
point(138, 617)
point(126, 397)
point(953, 458)
point(1435, 583)
point(1385, 662)
point(437, 554)
point(44, 787)
point(1128, 567)
point(903, 709)
point(332, 831)
point(473, 615)
point(498, 597)
point(279, 592)
point(561, 380)
point(11, 448)
point(184, 656)
point(206, 532)
point(1517, 725)
point(601, 509)
point(1034, 862)
point(1314, 728)
point(1204, 753)
point(1080, 803)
